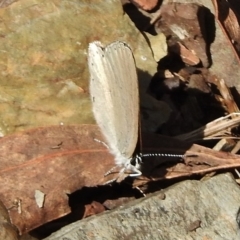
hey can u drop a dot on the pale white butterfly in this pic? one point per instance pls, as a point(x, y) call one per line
point(115, 98)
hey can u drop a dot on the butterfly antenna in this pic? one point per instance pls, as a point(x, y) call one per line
point(166, 155)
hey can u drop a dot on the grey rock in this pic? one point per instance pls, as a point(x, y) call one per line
point(190, 210)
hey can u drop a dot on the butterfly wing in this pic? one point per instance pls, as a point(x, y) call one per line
point(115, 96)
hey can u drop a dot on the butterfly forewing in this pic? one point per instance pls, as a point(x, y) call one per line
point(114, 92)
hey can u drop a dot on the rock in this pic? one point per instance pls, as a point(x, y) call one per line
point(43, 64)
point(158, 45)
point(190, 210)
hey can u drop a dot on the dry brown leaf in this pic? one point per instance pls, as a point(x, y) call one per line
point(229, 23)
point(189, 57)
point(93, 208)
point(55, 160)
point(185, 23)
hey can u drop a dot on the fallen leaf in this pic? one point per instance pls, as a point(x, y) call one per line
point(30, 161)
point(93, 208)
point(229, 21)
